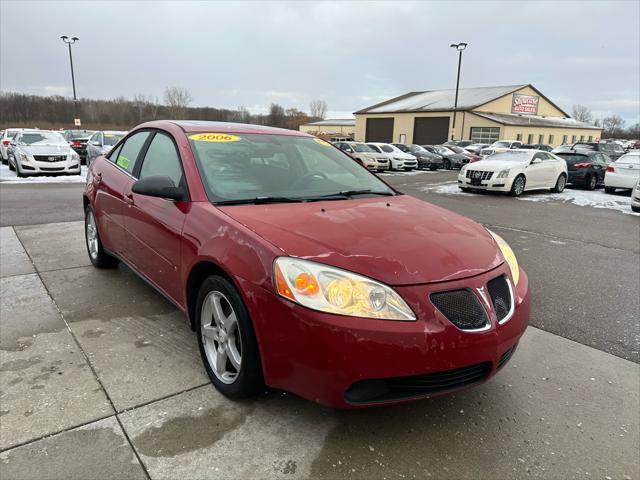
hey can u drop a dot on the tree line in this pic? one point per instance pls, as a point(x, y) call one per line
point(613, 126)
point(56, 111)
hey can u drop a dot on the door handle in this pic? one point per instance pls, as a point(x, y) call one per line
point(128, 198)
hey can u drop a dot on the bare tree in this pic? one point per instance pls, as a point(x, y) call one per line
point(177, 99)
point(582, 114)
point(613, 125)
point(318, 109)
point(276, 117)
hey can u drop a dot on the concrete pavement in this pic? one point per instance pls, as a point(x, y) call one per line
point(100, 377)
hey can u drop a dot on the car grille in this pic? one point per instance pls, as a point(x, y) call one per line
point(387, 389)
point(50, 158)
point(500, 296)
point(461, 307)
point(504, 358)
point(483, 175)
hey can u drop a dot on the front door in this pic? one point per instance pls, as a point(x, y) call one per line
point(154, 225)
point(536, 172)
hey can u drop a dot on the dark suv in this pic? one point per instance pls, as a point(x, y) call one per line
point(586, 167)
point(78, 140)
point(611, 149)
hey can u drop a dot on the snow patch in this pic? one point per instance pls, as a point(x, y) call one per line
point(582, 198)
point(7, 176)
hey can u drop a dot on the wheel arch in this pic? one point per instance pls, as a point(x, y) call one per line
point(198, 273)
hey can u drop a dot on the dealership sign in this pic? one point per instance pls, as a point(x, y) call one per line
point(525, 104)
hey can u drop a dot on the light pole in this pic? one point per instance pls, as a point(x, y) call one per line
point(69, 42)
point(460, 47)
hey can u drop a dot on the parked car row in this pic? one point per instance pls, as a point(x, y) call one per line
point(35, 151)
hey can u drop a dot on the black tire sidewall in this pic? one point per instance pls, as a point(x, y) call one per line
point(103, 259)
point(513, 190)
point(249, 381)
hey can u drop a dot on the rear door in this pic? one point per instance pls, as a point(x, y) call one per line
point(111, 178)
point(154, 225)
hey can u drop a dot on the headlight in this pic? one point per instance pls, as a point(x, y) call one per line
point(503, 173)
point(332, 290)
point(464, 169)
point(24, 158)
point(400, 159)
point(75, 156)
point(508, 255)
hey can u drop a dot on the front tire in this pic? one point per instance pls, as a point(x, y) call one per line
point(99, 258)
point(227, 341)
point(635, 209)
point(517, 187)
point(447, 165)
point(560, 184)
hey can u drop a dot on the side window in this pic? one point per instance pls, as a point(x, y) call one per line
point(126, 156)
point(538, 156)
point(162, 159)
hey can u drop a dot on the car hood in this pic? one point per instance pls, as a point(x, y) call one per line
point(397, 240)
point(489, 165)
point(57, 149)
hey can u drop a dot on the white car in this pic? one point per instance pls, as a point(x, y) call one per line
point(42, 151)
point(623, 173)
point(515, 171)
point(500, 146)
point(399, 159)
point(635, 197)
point(365, 155)
point(5, 139)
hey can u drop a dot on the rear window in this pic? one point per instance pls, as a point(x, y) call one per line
point(630, 158)
point(574, 158)
point(387, 148)
point(110, 139)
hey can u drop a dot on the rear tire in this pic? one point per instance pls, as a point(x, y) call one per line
point(517, 187)
point(592, 182)
point(560, 184)
point(609, 190)
point(447, 165)
point(99, 258)
point(226, 338)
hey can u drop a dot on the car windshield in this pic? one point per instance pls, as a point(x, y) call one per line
point(632, 158)
point(501, 144)
point(76, 134)
point(361, 147)
point(45, 138)
point(110, 139)
point(456, 149)
point(255, 167)
point(387, 148)
point(512, 156)
point(416, 149)
point(440, 149)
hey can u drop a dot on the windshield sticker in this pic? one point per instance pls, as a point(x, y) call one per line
point(322, 142)
point(122, 162)
point(214, 137)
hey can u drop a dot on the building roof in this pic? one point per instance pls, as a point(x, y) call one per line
point(533, 120)
point(342, 122)
point(439, 100)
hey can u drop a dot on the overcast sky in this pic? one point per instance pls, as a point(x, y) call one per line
point(351, 55)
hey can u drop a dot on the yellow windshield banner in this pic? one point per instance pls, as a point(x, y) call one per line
point(322, 142)
point(214, 137)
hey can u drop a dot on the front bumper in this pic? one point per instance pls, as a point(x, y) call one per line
point(321, 356)
point(493, 185)
point(33, 167)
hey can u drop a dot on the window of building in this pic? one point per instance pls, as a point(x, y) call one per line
point(485, 134)
point(582, 138)
point(530, 139)
point(519, 137)
point(573, 139)
point(591, 138)
point(564, 139)
point(551, 139)
point(540, 139)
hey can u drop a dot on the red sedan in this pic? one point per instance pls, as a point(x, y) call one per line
point(301, 270)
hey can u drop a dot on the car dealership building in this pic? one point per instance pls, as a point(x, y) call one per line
point(484, 115)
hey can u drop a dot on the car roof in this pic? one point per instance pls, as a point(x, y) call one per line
point(200, 126)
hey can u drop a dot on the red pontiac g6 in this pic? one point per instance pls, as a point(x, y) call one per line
point(299, 269)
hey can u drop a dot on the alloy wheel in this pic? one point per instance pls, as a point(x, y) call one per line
point(221, 337)
point(92, 235)
point(519, 186)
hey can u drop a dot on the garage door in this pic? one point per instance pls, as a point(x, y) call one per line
point(379, 130)
point(430, 130)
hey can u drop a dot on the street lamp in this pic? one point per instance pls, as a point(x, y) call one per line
point(69, 42)
point(460, 47)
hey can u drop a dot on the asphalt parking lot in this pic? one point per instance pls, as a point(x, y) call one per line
point(101, 377)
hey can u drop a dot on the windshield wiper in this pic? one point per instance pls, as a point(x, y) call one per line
point(259, 201)
point(351, 193)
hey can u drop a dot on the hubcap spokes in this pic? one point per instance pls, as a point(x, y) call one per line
point(92, 236)
point(220, 337)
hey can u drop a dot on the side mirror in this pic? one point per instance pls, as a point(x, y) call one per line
point(159, 186)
